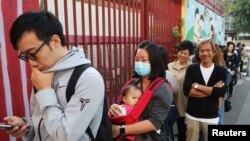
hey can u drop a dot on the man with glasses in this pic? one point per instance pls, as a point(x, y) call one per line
point(39, 39)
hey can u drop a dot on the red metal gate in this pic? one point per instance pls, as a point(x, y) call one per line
point(109, 31)
point(15, 88)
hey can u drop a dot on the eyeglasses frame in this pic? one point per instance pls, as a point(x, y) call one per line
point(31, 56)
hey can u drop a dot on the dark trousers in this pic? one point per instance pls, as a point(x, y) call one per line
point(230, 88)
point(169, 130)
point(182, 128)
point(241, 66)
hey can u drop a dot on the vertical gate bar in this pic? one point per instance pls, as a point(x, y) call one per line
point(173, 23)
point(151, 13)
point(168, 24)
point(104, 47)
point(56, 7)
point(129, 38)
point(133, 29)
point(156, 20)
point(75, 23)
point(45, 3)
point(159, 34)
point(137, 21)
point(134, 33)
point(83, 26)
point(143, 19)
point(161, 22)
point(160, 12)
point(154, 17)
point(148, 19)
point(125, 39)
point(110, 51)
point(97, 35)
point(165, 24)
point(115, 55)
point(120, 42)
point(90, 30)
point(66, 22)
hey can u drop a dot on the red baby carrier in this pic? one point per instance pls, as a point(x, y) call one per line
point(136, 112)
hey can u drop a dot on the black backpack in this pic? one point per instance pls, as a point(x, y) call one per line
point(104, 132)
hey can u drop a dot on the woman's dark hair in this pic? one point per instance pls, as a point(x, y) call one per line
point(157, 68)
point(164, 56)
point(186, 44)
point(43, 23)
point(228, 44)
point(238, 44)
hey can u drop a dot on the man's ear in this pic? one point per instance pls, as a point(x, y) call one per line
point(56, 41)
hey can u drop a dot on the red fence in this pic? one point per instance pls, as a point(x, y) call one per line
point(109, 31)
point(15, 86)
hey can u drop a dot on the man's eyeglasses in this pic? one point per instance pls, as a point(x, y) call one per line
point(30, 56)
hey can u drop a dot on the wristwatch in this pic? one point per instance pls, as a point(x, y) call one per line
point(196, 86)
point(122, 129)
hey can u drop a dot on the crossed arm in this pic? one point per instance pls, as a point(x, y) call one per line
point(203, 90)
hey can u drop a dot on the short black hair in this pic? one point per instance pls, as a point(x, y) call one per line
point(43, 23)
point(157, 68)
point(186, 44)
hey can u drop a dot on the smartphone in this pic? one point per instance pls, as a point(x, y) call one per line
point(6, 126)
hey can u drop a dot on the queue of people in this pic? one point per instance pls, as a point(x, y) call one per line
point(39, 39)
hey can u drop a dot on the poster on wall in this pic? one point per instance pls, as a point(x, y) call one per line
point(202, 23)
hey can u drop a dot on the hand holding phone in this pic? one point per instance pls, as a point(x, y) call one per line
point(6, 126)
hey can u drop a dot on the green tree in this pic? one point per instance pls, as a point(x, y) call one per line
point(239, 10)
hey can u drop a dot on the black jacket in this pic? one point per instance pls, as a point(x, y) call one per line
point(204, 107)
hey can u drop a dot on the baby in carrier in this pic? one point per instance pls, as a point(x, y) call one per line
point(133, 102)
point(129, 98)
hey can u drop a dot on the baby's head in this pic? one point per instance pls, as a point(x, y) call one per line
point(131, 95)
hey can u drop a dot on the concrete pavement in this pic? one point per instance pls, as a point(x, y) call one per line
point(240, 112)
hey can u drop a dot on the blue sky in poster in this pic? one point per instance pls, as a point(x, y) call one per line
point(202, 23)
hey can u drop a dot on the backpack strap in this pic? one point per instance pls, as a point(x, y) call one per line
point(144, 100)
point(70, 90)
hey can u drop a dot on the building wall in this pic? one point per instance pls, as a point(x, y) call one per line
point(202, 22)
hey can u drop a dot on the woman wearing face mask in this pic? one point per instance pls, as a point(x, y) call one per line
point(148, 67)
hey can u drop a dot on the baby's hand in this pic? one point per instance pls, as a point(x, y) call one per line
point(123, 110)
point(114, 110)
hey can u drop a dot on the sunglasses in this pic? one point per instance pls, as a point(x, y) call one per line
point(30, 56)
